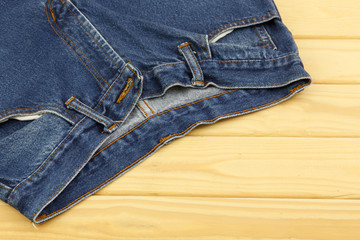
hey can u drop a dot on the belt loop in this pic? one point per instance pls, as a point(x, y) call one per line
point(77, 105)
point(198, 76)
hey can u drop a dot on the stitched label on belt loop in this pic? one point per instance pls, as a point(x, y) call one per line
point(128, 85)
point(197, 74)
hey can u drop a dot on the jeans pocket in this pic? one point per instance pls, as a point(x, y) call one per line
point(259, 40)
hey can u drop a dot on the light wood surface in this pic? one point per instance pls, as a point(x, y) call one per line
point(291, 171)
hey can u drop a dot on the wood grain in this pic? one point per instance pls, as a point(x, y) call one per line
point(321, 19)
point(138, 217)
point(248, 167)
point(318, 111)
point(331, 61)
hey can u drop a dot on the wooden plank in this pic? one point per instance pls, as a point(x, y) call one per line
point(331, 61)
point(321, 18)
point(247, 167)
point(134, 217)
point(318, 111)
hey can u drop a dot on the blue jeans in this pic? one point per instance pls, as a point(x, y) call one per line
point(90, 88)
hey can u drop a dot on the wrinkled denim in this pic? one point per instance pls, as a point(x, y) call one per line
point(89, 89)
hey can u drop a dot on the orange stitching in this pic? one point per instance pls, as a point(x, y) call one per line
point(160, 142)
point(132, 70)
point(250, 60)
point(51, 4)
point(184, 44)
point(35, 111)
point(88, 112)
point(142, 110)
point(291, 91)
point(66, 181)
point(135, 99)
point(265, 45)
point(70, 100)
point(83, 54)
point(52, 14)
point(71, 130)
point(4, 188)
point(239, 22)
point(113, 84)
point(41, 217)
point(148, 106)
point(112, 126)
point(230, 61)
point(43, 164)
point(207, 82)
point(163, 113)
point(172, 110)
point(297, 87)
point(197, 63)
point(201, 82)
point(63, 2)
point(118, 172)
point(127, 88)
point(77, 48)
point(175, 109)
point(47, 15)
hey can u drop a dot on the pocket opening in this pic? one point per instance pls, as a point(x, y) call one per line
point(268, 39)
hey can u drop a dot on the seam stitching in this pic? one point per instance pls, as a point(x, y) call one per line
point(228, 61)
point(132, 104)
point(5, 188)
point(158, 114)
point(90, 114)
point(80, 51)
point(142, 110)
point(229, 25)
point(72, 131)
point(64, 3)
point(67, 179)
point(226, 85)
point(162, 140)
point(46, 7)
point(148, 106)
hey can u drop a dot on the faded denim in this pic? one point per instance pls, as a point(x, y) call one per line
point(89, 89)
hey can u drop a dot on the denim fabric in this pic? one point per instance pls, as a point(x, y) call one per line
point(89, 89)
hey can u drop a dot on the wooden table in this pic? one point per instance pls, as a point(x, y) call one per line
point(288, 172)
